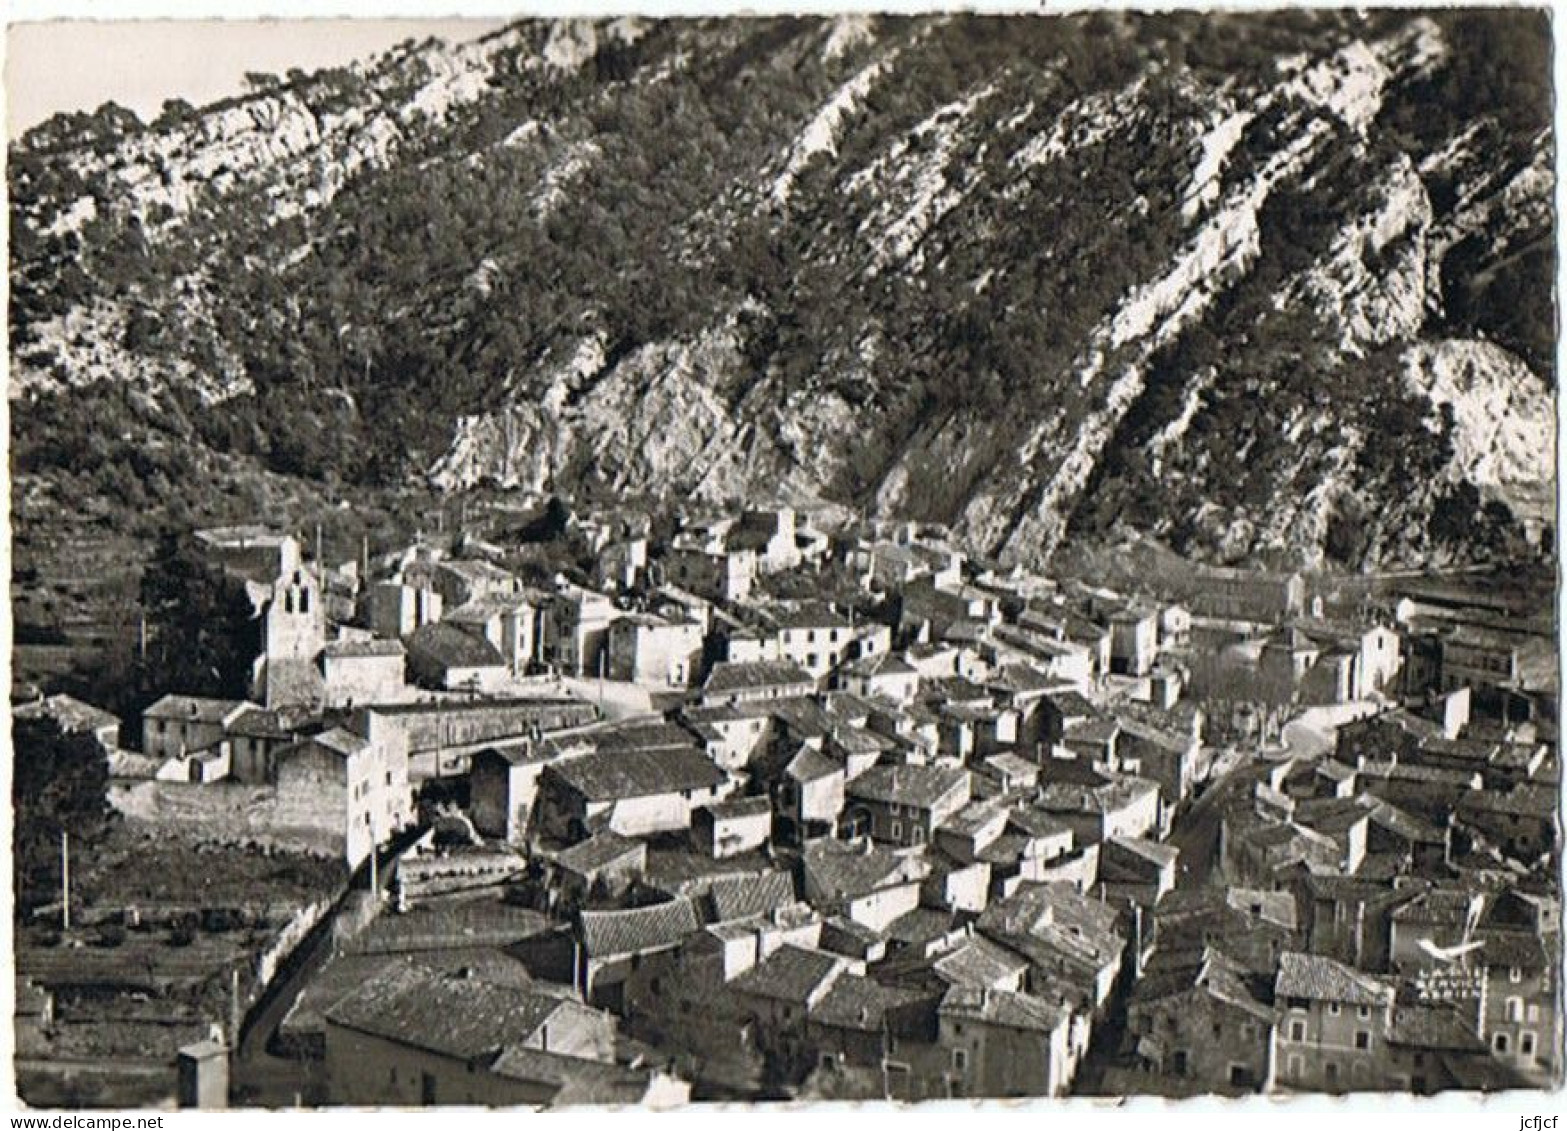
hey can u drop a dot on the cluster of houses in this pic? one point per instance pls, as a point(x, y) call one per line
point(917, 835)
point(1390, 920)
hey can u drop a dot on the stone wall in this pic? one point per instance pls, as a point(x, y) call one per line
point(229, 813)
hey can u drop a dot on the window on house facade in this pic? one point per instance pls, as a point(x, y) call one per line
point(897, 830)
point(1297, 1030)
point(1362, 1039)
point(1333, 1008)
point(1513, 1010)
point(1514, 974)
point(1499, 1042)
point(1363, 1012)
point(960, 1060)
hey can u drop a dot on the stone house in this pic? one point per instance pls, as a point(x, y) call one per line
point(393, 609)
point(574, 629)
point(508, 621)
point(1334, 1025)
point(177, 725)
point(355, 672)
point(904, 805)
point(730, 684)
point(344, 790)
point(633, 792)
point(732, 827)
point(1002, 1044)
point(418, 1038)
point(862, 881)
point(1205, 1024)
point(654, 652)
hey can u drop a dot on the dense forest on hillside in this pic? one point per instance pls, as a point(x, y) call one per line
point(926, 229)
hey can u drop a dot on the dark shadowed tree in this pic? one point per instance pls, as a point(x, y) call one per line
point(59, 782)
point(204, 635)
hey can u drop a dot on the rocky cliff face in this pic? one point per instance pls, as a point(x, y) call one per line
point(1262, 286)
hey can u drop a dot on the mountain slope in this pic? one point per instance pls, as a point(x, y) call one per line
point(1266, 287)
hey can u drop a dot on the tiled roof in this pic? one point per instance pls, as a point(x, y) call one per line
point(918, 786)
point(1328, 815)
point(845, 870)
point(1432, 1027)
point(464, 1017)
point(1160, 855)
point(598, 852)
point(258, 723)
point(1036, 822)
point(71, 713)
point(1055, 921)
point(733, 807)
point(1511, 948)
point(345, 744)
point(653, 734)
point(190, 708)
point(451, 647)
point(886, 663)
point(921, 925)
point(1406, 825)
point(860, 1004)
point(811, 765)
point(1441, 905)
point(976, 817)
point(750, 675)
point(1318, 978)
point(809, 616)
point(1021, 678)
point(750, 893)
point(577, 1080)
point(792, 974)
point(1522, 800)
point(607, 934)
point(979, 962)
point(1012, 765)
point(476, 569)
point(339, 649)
point(615, 775)
point(1071, 704)
point(1000, 1007)
point(843, 935)
point(487, 607)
